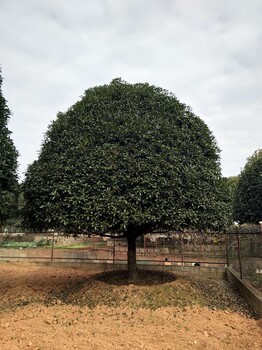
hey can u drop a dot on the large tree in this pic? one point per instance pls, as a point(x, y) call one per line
point(8, 163)
point(126, 160)
point(248, 195)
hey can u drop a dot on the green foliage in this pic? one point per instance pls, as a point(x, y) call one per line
point(126, 159)
point(244, 229)
point(231, 183)
point(248, 198)
point(8, 164)
point(14, 244)
point(8, 205)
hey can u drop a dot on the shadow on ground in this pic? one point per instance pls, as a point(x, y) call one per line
point(23, 285)
point(145, 278)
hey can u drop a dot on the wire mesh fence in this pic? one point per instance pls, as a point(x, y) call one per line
point(244, 253)
point(175, 248)
point(240, 248)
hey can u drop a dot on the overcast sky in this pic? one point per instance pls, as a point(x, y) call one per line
point(208, 53)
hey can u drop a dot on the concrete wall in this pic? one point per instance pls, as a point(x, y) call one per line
point(45, 253)
point(103, 265)
point(246, 290)
point(105, 255)
point(217, 272)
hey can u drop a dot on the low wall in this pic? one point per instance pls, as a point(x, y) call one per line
point(45, 253)
point(246, 290)
point(217, 272)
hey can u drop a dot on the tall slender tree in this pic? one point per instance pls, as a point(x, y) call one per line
point(8, 162)
point(123, 161)
point(248, 193)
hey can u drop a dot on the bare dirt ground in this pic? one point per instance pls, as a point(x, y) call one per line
point(64, 308)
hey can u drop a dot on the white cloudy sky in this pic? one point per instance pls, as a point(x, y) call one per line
point(209, 53)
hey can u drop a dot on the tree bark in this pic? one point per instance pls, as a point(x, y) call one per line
point(131, 258)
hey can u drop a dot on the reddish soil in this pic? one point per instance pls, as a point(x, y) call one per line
point(64, 308)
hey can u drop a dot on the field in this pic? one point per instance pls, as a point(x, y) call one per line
point(45, 307)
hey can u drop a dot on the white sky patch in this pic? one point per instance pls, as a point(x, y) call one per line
point(208, 53)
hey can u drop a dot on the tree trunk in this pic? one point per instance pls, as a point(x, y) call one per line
point(131, 258)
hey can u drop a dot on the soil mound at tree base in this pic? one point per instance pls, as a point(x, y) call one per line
point(58, 308)
point(23, 285)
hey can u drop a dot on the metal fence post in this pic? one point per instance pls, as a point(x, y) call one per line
point(239, 252)
point(260, 226)
point(52, 250)
point(227, 252)
point(181, 247)
point(114, 251)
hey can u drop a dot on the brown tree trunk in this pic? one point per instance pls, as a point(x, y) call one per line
point(131, 258)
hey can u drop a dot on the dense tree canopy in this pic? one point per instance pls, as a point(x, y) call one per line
point(125, 160)
point(248, 198)
point(8, 163)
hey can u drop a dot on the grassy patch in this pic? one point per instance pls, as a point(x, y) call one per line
point(18, 245)
point(73, 246)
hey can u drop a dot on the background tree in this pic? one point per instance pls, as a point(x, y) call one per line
point(126, 160)
point(231, 183)
point(8, 164)
point(248, 198)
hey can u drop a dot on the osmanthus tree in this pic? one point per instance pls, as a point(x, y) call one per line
point(8, 163)
point(248, 195)
point(123, 161)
